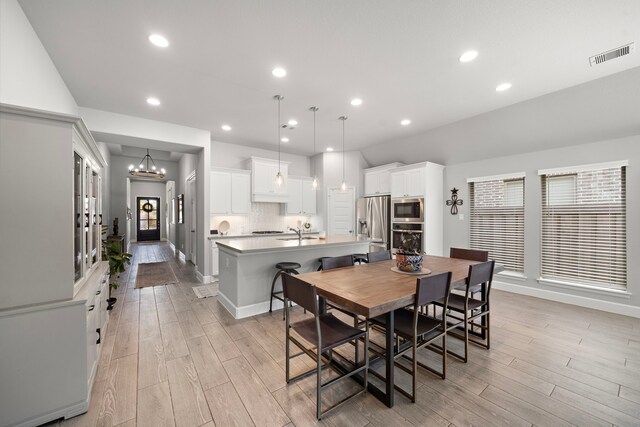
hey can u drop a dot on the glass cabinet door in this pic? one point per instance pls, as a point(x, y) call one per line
point(78, 219)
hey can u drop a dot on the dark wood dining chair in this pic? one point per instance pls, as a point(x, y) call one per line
point(471, 255)
point(329, 263)
point(325, 332)
point(379, 256)
point(420, 330)
point(470, 308)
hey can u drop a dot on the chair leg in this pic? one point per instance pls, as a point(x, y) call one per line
point(415, 369)
point(319, 385)
point(273, 284)
point(357, 341)
point(366, 356)
point(466, 336)
point(287, 352)
point(444, 356)
point(488, 330)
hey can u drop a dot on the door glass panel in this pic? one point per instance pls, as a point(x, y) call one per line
point(144, 225)
point(153, 215)
point(153, 224)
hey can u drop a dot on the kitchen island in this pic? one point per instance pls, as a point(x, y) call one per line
point(247, 266)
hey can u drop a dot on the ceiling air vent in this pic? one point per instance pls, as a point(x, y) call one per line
point(611, 54)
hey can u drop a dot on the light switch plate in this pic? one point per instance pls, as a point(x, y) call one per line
point(461, 217)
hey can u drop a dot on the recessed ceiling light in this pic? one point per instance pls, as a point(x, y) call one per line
point(159, 40)
point(356, 102)
point(226, 128)
point(153, 101)
point(329, 149)
point(405, 122)
point(285, 139)
point(279, 72)
point(503, 86)
point(292, 122)
point(468, 56)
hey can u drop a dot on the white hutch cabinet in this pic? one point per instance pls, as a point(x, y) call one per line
point(53, 283)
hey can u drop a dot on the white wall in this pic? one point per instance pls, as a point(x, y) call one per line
point(106, 185)
point(456, 232)
point(28, 77)
point(236, 156)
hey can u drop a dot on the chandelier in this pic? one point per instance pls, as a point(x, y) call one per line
point(143, 170)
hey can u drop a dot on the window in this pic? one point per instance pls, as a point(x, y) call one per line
point(584, 225)
point(496, 219)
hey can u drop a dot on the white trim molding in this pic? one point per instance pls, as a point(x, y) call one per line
point(202, 278)
point(583, 168)
point(596, 304)
point(504, 177)
point(248, 310)
point(618, 293)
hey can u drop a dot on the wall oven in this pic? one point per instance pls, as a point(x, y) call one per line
point(399, 232)
point(407, 210)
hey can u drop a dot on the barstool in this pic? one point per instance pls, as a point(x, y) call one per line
point(320, 261)
point(283, 267)
point(360, 258)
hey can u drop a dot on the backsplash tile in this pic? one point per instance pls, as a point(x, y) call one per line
point(263, 216)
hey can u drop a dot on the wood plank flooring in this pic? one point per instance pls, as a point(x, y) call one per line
point(170, 359)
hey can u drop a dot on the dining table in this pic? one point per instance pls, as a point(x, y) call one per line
point(377, 289)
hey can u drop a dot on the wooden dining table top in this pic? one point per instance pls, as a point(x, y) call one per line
point(374, 289)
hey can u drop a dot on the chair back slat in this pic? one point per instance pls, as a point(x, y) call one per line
point(470, 254)
point(302, 293)
point(379, 256)
point(480, 273)
point(433, 288)
point(337, 262)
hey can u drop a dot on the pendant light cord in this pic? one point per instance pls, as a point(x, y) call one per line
point(279, 140)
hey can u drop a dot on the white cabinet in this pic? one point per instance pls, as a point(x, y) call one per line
point(215, 262)
point(377, 181)
point(302, 196)
point(263, 180)
point(230, 192)
point(408, 183)
point(48, 337)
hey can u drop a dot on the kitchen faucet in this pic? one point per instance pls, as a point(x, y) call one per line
point(297, 231)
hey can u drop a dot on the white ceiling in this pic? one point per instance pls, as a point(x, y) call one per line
point(400, 57)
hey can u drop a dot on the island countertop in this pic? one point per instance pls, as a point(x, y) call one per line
point(271, 244)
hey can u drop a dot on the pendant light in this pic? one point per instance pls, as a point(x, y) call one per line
point(279, 177)
point(315, 182)
point(144, 171)
point(343, 186)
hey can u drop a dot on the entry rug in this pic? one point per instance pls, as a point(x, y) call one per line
point(154, 273)
point(205, 291)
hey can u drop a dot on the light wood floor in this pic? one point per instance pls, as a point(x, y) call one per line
point(171, 359)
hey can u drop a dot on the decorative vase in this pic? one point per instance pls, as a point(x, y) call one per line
point(409, 263)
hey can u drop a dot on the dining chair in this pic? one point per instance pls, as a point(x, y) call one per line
point(479, 274)
point(329, 263)
point(325, 332)
point(419, 329)
point(471, 255)
point(379, 256)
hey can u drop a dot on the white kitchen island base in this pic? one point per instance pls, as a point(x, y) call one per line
point(247, 267)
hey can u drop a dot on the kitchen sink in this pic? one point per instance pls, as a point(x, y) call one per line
point(295, 238)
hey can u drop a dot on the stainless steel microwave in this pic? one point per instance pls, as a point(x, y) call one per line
point(407, 210)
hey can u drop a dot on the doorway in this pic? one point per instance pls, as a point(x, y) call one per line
point(191, 218)
point(148, 215)
point(341, 207)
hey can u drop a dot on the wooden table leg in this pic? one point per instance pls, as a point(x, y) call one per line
point(389, 341)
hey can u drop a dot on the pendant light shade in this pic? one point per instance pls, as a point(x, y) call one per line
point(315, 181)
point(343, 186)
point(279, 176)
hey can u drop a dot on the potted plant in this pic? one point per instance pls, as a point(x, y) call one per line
point(410, 255)
point(111, 252)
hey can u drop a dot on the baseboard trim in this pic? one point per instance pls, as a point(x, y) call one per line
point(203, 279)
point(172, 246)
point(181, 256)
point(247, 310)
point(596, 304)
point(65, 412)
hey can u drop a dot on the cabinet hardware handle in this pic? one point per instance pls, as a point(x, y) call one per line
point(98, 331)
point(91, 307)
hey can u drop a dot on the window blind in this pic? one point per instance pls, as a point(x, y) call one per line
point(496, 220)
point(584, 226)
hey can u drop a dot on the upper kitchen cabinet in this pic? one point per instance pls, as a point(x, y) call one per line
point(408, 181)
point(263, 180)
point(230, 192)
point(302, 196)
point(377, 181)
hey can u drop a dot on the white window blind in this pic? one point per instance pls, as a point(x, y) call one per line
point(496, 220)
point(584, 226)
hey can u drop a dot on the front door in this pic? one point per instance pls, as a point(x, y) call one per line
point(148, 224)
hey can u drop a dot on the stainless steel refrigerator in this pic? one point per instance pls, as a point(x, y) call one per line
point(373, 216)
